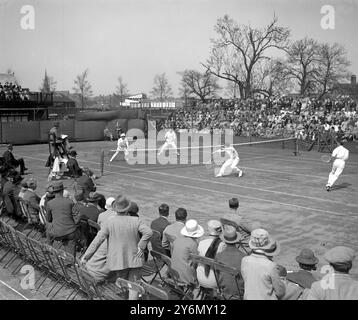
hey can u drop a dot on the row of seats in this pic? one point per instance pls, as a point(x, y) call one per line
point(158, 280)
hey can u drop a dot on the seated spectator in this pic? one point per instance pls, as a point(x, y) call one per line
point(90, 210)
point(84, 184)
point(337, 284)
point(232, 257)
point(260, 273)
point(62, 222)
point(11, 192)
point(245, 226)
point(209, 247)
point(182, 247)
point(109, 211)
point(23, 189)
point(107, 134)
point(125, 248)
point(172, 231)
point(303, 278)
point(33, 201)
point(133, 210)
point(49, 195)
point(159, 225)
point(13, 163)
point(74, 170)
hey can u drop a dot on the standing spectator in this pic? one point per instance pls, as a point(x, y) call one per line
point(173, 231)
point(11, 162)
point(133, 210)
point(183, 247)
point(232, 257)
point(337, 284)
point(33, 201)
point(209, 247)
point(159, 225)
point(61, 220)
point(260, 273)
point(125, 248)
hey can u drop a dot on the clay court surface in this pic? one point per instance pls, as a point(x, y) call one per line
point(285, 193)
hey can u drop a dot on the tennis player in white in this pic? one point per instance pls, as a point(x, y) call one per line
point(232, 162)
point(122, 146)
point(170, 142)
point(340, 156)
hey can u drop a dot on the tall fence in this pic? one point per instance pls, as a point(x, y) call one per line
point(37, 131)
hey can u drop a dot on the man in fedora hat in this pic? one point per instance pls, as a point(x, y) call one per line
point(61, 220)
point(91, 210)
point(304, 277)
point(232, 257)
point(261, 275)
point(125, 246)
point(182, 247)
point(337, 284)
point(11, 162)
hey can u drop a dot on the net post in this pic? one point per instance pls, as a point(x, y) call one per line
point(102, 162)
point(296, 152)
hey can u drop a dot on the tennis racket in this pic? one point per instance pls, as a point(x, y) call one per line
point(326, 158)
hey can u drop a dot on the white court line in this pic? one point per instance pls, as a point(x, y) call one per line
point(231, 184)
point(222, 183)
point(217, 191)
point(11, 288)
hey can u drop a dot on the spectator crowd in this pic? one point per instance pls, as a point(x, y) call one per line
point(121, 246)
point(281, 117)
point(10, 91)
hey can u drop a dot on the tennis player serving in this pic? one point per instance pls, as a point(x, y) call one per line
point(339, 156)
point(231, 163)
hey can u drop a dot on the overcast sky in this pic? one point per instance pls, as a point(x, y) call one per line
point(137, 39)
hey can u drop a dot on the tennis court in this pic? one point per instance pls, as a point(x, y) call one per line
point(284, 192)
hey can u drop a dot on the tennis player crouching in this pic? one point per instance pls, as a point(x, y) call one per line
point(232, 162)
point(122, 146)
point(340, 155)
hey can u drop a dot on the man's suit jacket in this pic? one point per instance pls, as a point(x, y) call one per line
point(159, 225)
point(33, 200)
point(74, 168)
point(9, 158)
point(11, 198)
point(62, 221)
point(86, 184)
point(122, 235)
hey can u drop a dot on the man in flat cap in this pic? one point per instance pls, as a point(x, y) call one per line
point(337, 284)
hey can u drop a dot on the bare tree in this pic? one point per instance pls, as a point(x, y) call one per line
point(161, 88)
point(238, 49)
point(204, 85)
point(82, 87)
point(302, 64)
point(332, 66)
point(121, 90)
point(48, 84)
point(232, 90)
